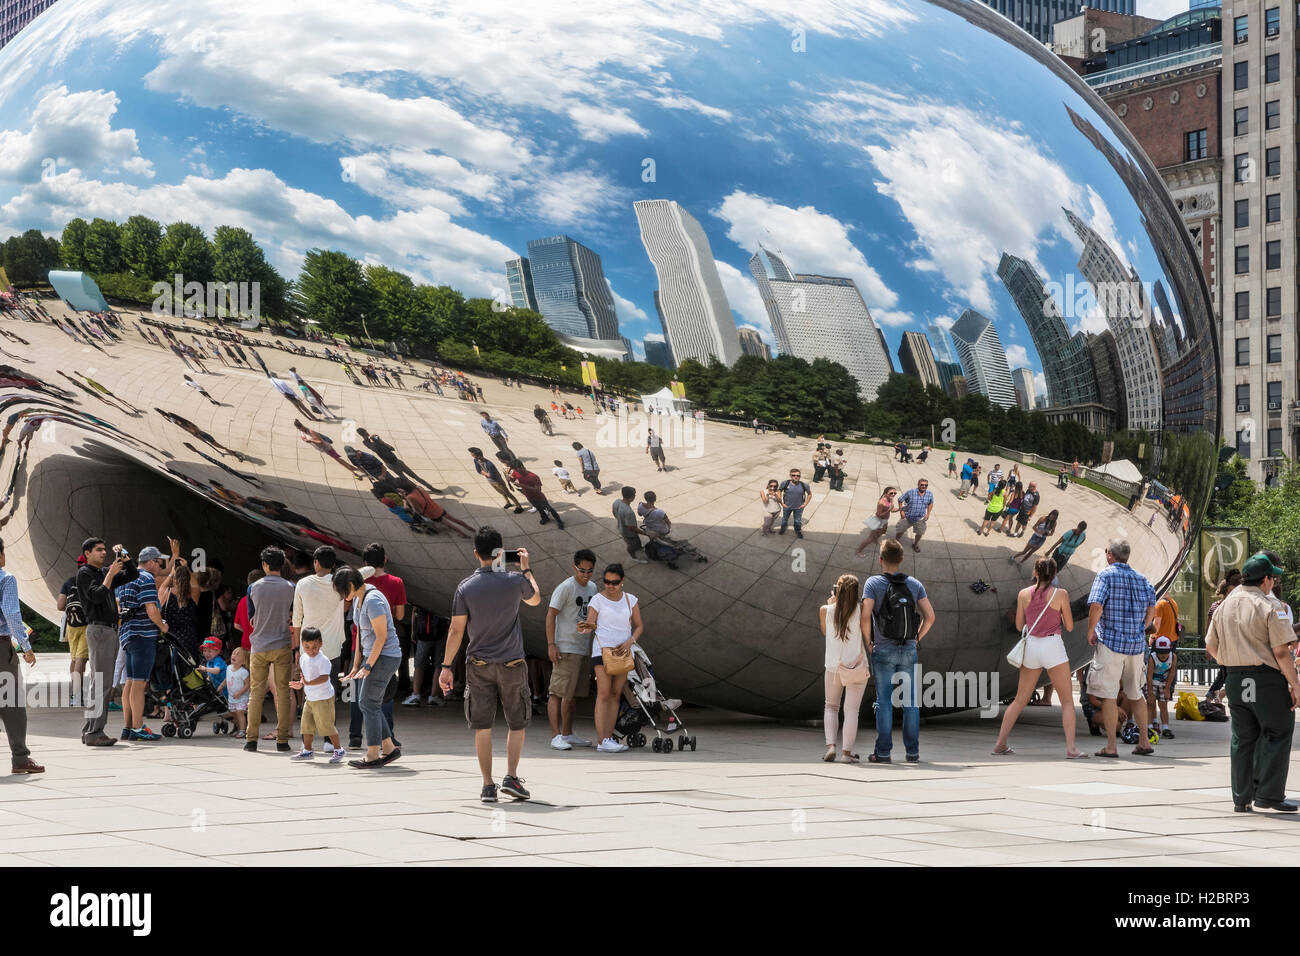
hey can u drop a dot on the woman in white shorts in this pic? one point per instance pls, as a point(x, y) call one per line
point(879, 521)
point(1046, 609)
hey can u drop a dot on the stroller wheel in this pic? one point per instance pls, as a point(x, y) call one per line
point(640, 740)
point(186, 732)
point(218, 727)
point(657, 746)
point(169, 730)
point(692, 742)
point(668, 745)
point(681, 742)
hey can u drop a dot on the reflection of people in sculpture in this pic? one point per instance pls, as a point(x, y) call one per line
point(1044, 610)
point(285, 389)
point(915, 506)
point(993, 507)
point(418, 500)
point(1044, 528)
point(251, 479)
point(10, 377)
point(1028, 506)
point(1015, 498)
point(1062, 479)
point(201, 390)
point(201, 435)
point(310, 393)
point(104, 391)
point(878, 522)
point(1067, 544)
point(326, 447)
point(657, 527)
point(388, 454)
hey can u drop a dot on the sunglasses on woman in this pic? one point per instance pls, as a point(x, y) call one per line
point(613, 584)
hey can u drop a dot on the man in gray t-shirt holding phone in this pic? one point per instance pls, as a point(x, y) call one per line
point(485, 610)
point(569, 649)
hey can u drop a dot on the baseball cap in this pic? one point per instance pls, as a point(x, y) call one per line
point(149, 554)
point(366, 572)
point(1258, 566)
point(1163, 644)
point(215, 643)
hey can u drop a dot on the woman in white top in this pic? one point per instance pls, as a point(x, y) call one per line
point(845, 656)
point(771, 499)
point(1043, 610)
point(615, 620)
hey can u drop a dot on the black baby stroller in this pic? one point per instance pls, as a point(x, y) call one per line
point(668, 550)
point(185, 694)
point(642, 704)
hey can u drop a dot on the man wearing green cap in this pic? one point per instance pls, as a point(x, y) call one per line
point(1252, 640)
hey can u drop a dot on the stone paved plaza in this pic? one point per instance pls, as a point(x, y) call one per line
point(755, 793)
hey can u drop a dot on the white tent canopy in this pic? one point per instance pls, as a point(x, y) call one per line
point(663, 402)
point(1123, 469)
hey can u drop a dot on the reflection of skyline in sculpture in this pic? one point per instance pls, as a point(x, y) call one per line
point(519, 279)
point(1117, 292)
point(569, 287)
point(915, 358)
point(822, 317)
point(983, 359)
point(1066, 367)
point(691, 302)
point(945, 359)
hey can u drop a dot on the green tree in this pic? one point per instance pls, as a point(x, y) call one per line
point(28, 258)
point(186, 251)
point(398, 309)
point(332, 290)
point(103, 247)
point(141, 247)
point(72, 244)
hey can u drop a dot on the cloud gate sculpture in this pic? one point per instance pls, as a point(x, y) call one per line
point(833, 174)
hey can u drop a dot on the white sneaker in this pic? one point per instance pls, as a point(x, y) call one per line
point(573, 740)
point(303, 755)
point(415, 700)
point(338, 756)
point(610, 746)
point(559, 743)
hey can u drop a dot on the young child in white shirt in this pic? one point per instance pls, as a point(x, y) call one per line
point(236, 686)
point(562, 473)
point(318, 708)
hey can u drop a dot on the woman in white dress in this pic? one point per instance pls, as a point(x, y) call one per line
point(615, 619)
point(846, 663)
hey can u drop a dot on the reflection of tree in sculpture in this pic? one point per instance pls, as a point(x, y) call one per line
point(198, 433)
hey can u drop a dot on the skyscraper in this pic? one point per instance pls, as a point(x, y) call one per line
point(751, 343)
point(983, 359)
point(656, 352)
point(1023, 379)
point(16, 14)
point(519, 280)
point(1066, 365)
point(1037, 16)
point(570, 288)
point(945, 359)
point(1128, 315)
point(823, 317)
point(690, 299)
point(915, 358)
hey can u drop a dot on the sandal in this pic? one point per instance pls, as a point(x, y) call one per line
point(830, 754)
point(1103, 753)
point(876, 758)
point(1077, 755)
point(269, 735)
point(847, 757)
point(1144, 751)
point(1002, 753)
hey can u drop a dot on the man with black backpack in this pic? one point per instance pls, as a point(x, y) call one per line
point(74, 633)
point(795, 495)
point(897, 614)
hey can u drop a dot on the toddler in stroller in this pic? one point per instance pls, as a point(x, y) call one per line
point(183, 692)
point(643, 704)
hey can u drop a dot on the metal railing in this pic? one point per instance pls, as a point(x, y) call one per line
point(1156, 65)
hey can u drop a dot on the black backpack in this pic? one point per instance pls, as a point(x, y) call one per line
point(75, 614)
point(899, 619)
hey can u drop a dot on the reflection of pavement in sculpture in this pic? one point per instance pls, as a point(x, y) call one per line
point(738, 632)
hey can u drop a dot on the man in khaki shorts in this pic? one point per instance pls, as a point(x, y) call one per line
point(569, 649)
point(485, 610)
point(1121, 605)
point(915, 505)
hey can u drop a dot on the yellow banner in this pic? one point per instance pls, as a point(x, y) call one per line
point(4, 281)
point(678, 389)
point(589, 374)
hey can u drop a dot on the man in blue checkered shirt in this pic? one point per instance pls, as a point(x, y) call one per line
point(1120, 607)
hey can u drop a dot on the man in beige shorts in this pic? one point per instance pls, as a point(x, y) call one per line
point(1121, 605)
point(569, 649)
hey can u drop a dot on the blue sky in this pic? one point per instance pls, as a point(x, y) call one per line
point(902, 146)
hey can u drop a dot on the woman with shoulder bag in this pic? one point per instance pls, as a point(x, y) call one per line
point(615, 619)
point(847, 664)
point(1042, 611)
